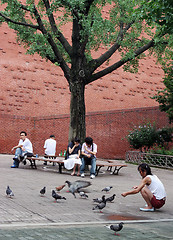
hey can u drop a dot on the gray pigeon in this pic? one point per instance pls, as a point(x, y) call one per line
point(9, 192)
point(77, 185)
point(43, 191)
point(83, 194)
point(110, 199)
point(101, 205)
point(107, 189)
point(116, 228)
point(97, 200)
point(57, 196)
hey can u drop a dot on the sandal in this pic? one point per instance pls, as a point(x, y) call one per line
point(78, 174)
point(72, 174)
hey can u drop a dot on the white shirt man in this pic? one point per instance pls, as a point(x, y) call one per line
point(50, 146)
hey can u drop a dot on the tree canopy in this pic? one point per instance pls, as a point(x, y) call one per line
point(165, 97)
point(39, 27)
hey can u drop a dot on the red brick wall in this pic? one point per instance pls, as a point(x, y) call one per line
point(108, 129)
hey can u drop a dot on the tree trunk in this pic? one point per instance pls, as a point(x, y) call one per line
point(77, 111)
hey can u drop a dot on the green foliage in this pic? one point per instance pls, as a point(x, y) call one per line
point(147, 135)
point(144, 135)
point(164, 136)
point(162, 151)
point(165, 97)
point(159, 11)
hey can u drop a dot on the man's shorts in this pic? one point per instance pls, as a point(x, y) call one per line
point(157, 203)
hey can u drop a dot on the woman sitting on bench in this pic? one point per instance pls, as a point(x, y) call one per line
point(73, 156)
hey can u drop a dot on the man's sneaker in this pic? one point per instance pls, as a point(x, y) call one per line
point(92, 176)
point(14, 166)
point(82, 175)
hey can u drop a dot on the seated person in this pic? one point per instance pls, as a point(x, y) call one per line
point(23, 150)
point(50, 147)
point(89, 150)
point(73, 156)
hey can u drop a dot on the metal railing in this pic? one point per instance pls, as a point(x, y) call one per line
point(158, 160)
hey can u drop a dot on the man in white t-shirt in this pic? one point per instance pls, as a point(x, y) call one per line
point(89, 150)
point(50, 147)
point(23, 149)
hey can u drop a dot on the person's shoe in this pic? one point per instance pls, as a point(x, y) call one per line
point(82, 175)
point(14, 166)
point(147, 209)
point(92, 176)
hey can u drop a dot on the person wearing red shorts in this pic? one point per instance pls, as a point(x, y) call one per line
point(151, 189)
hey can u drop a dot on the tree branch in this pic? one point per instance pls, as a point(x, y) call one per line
point(57, 33)
point(49, 38)
point(120, 63)
point(103, 58)
point(7, 19)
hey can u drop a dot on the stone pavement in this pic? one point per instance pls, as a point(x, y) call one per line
point(28, 210)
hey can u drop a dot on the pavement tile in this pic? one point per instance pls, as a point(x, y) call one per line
point(27, 208)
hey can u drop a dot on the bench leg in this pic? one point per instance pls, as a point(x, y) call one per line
point(60, 167)
point(33, 165)
point(116, 170)
point(98, 169)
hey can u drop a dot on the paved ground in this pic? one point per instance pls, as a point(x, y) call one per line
point(27, 210)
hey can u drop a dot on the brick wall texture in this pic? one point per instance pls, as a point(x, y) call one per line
point(35, 97)
point(108, 129)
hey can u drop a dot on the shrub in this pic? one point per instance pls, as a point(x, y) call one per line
point(146, 136)
point(143, 136)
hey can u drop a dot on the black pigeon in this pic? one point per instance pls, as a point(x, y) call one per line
point(107, 189)
point(57, 196)
point(77, 185)
point(110, 199)
point(43, 191)
point(101, 205)
point(116, 228)
point(83, 195)
point(9, 192)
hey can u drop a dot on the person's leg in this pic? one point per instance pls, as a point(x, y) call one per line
point(93, 166)
point(74, 169)
point(78, 172)
point(16, 158)
point(147, 195)
point(82, 167)
point(18, 153)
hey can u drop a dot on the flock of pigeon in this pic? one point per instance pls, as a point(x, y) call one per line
point(76, 187)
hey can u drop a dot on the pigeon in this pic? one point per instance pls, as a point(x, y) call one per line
point(101, 205)
point(116, 228)
point(110, 199)
point(58, 189)
point(57, 196)
point(77, 185)
point(83, 195)
point(97, 200)
point(43, 191)
point(9, 192)
point(107, 189)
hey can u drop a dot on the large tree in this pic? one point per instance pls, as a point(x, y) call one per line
point(39, 26)
point(165, 97)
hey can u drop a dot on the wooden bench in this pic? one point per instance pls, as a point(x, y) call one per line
point(99, 163)
point(52, 159)
point(109, 164)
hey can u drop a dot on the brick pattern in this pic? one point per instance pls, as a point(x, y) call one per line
point(108, 129)
point(30, 86)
